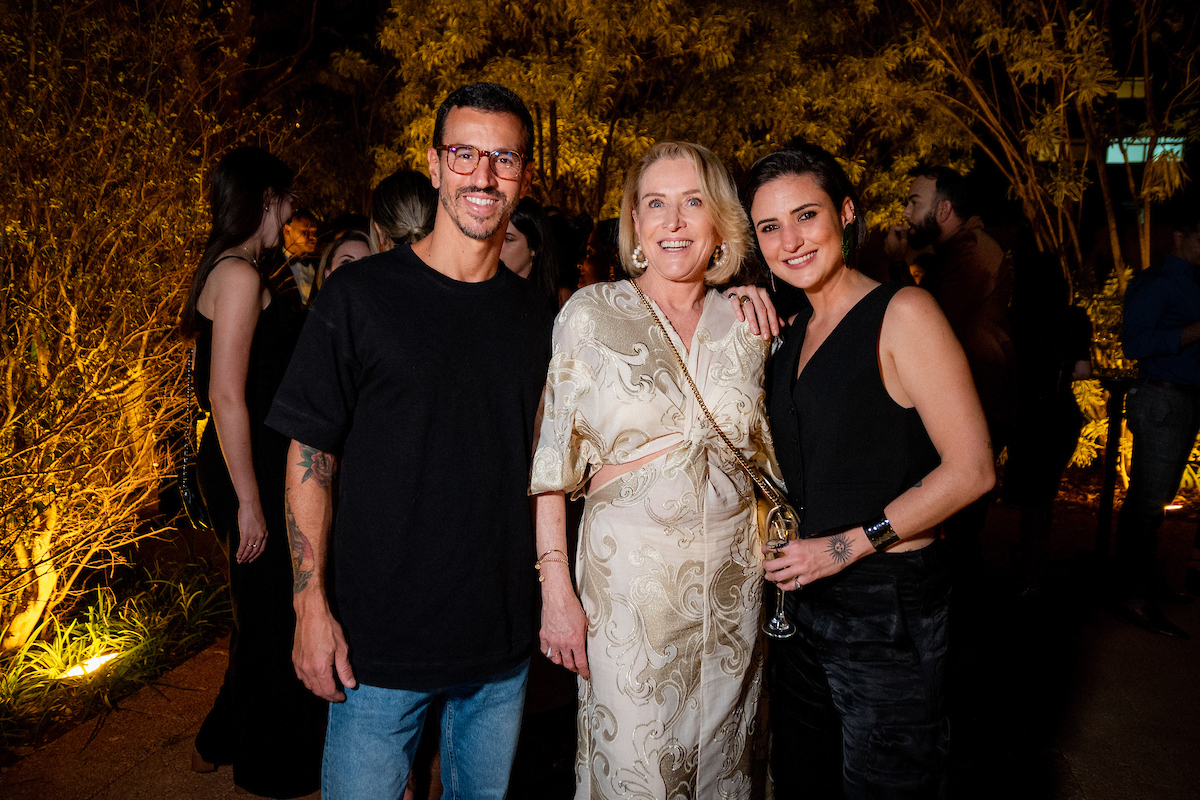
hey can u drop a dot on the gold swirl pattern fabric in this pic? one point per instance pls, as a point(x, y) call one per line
point(668, 566)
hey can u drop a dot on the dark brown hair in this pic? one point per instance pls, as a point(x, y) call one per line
point(809, 159)
point(241, 184)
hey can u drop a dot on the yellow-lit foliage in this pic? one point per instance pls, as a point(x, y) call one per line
point(604, 79)
point(103, 156)
point(1035, 84)
point(1104, 311)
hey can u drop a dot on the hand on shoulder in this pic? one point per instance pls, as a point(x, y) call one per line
point(754, 306)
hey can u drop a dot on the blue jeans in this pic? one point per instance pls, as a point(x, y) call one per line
point(373, 736)
point(1164, 423)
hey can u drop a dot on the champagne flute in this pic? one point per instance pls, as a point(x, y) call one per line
point(782, 529)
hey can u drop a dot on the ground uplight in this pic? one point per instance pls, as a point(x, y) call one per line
point(89, 666)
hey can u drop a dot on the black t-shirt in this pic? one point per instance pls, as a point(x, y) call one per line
point(426, 389)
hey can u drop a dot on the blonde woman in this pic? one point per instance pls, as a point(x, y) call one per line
point(402, 210)
point(668, 569)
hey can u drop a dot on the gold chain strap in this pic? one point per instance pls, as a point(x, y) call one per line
point(766, 487)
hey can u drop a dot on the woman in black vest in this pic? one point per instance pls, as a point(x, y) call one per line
point(880, 437)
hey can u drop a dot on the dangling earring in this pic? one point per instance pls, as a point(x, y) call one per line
point(720, 256)
point(773, 289)
point(639, 258)
point(846, 234)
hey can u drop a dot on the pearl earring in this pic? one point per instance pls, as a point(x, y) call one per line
point(639, 258)
point(720, 256)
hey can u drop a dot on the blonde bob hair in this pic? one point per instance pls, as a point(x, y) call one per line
point(719, 199)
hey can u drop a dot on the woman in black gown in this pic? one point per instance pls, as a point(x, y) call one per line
point(264, 722)
point(880, 437)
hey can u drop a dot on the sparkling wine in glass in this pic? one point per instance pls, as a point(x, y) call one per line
point(782, 529)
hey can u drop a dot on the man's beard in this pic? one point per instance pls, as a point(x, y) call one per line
point(924, 232)
point(456, 207)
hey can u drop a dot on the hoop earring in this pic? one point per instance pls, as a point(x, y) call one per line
point(639, 258)
point(720, 256)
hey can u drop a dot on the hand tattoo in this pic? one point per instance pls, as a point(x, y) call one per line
point(318, 465)
point(301, 550)
point(840, 547)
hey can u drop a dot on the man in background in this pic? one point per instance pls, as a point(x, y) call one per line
point(1161, 328)
point(970, 276)
point(293, 277)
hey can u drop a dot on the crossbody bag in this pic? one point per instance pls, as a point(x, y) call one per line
point(771, 504)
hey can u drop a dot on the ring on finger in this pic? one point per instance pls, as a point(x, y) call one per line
point(743, 299)
point(549, 652)
point(797, 583)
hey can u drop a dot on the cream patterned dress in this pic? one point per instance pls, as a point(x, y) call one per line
point(668, 566)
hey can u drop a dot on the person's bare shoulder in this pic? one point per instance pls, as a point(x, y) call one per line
point(232, 283)
point(235, 271)
point(914, 321)
point(912, 305)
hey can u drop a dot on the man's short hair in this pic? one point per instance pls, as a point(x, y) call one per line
point(491, 97)
point(303, 213)
point(949, 185)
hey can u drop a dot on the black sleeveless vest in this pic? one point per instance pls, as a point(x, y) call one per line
point(845, 447)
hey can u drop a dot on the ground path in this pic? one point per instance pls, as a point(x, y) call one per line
point(1058, 700)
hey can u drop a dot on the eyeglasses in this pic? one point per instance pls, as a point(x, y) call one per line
point(465, 159)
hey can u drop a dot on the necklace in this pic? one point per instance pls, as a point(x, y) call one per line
point(252, 259)
point(767, 488)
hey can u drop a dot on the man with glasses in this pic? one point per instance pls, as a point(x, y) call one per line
point(413, 390)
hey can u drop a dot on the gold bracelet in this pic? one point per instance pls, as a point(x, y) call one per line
point(548, 552)
point(538, 564)
point(880, 534)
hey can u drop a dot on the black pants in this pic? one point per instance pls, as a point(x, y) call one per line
point(1164, 422)
point(857, 695)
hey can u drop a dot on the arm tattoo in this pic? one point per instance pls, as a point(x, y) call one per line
point(319, 466)
point(301, 550)
point(840, 547)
